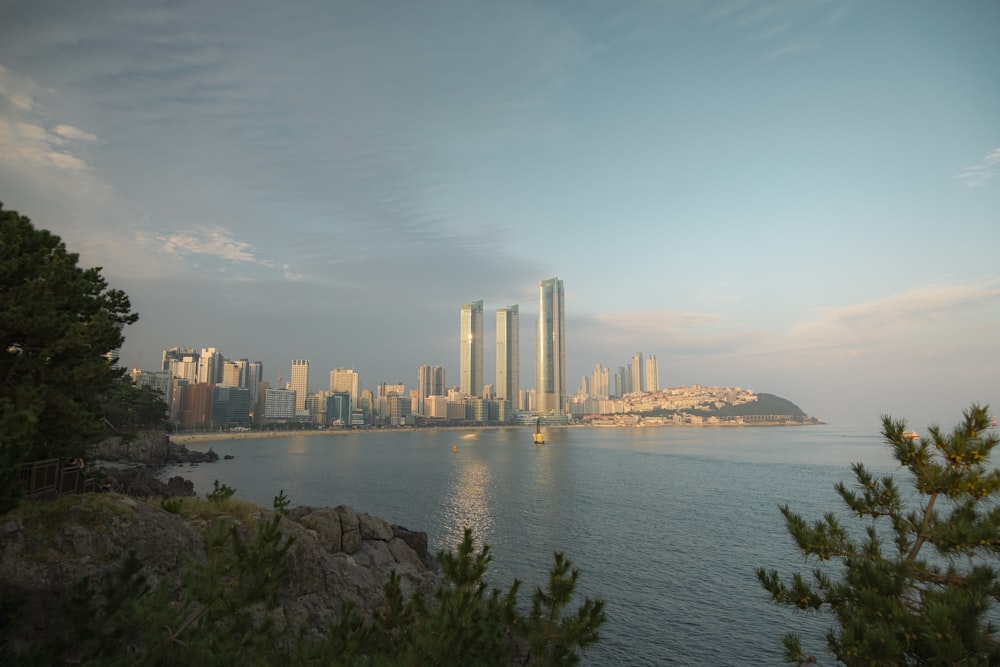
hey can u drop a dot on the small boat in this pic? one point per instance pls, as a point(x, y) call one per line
point(911, 435)
point(539, 439)
point(454, 448)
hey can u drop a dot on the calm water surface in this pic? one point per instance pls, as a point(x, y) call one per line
point(666, 524)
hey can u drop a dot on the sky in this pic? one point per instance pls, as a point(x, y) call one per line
point(799, 197)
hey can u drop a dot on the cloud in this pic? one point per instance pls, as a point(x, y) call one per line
point(783, 51)
point(25, 140)
point(982, 172)
point(914, 318)
point(213, 242)
point(73, 133)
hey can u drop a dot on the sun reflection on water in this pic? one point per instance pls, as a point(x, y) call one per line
point(467, 503)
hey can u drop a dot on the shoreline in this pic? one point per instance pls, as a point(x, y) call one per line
point(182, 438)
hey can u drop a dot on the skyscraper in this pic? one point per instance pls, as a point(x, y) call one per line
point(508, 355)
point(300, 382)
point(345, 379)
point(430, 382)
point(652, 374)
point(210, 366)
point(470, 359)
point(635, 373)
point(550, 353)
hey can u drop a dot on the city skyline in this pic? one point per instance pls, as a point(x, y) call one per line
point(799, 197)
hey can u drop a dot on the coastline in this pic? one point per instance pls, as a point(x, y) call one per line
point(182, 438)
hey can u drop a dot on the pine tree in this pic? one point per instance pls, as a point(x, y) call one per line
point(915, 585)
point(58, 323)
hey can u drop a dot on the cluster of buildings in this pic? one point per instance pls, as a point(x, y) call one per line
point(206, 390)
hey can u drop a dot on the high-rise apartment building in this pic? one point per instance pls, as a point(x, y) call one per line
point(233, 374)
point(652, 374)
point(508, 359)
point(176, 354)
point(345, 379)
point(470, 356)
point(210, 366)
point(254, 376)
point(550, 352)
point(635, 373)
point(600, 383)
point(430, 382)
point(300, 382)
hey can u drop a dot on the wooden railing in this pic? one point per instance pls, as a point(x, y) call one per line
point(52, 477)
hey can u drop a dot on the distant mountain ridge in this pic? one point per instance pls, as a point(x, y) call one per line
point(766, 404)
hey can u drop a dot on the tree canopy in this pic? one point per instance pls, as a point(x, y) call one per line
point(59, 324)
point(915, 584)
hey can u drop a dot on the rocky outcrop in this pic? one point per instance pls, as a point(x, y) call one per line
point(151, 448)
point(338, 555)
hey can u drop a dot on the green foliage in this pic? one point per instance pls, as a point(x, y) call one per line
point(281, 503)
point(127, 407)
point(466, 622)
point(57, 323)
point(916, 587)
point(220, 615)
point(172, 505)
point(220, 493)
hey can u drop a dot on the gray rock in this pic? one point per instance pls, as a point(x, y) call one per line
point(44, 554)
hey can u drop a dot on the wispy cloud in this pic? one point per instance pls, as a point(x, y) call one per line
point(784, 51)
point(220, 243)
point(982, 172)
point(25, 137)
point(899, 317)
point(213, 242)
point(73, 133)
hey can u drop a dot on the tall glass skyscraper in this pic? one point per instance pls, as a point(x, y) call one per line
point(470, 355)
point(508, 356)
point(550, 353)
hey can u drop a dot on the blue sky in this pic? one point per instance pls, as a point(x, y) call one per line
point(799, 197)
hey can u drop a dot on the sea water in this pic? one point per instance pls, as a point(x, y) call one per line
point(667, 525)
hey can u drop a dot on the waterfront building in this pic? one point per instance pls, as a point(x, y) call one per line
point(230, 405)
point(196, 405)
point(279, 405)
point(470, 355)
point(316, 407)
point(436, 407)
point(254, 376)
point(550, 352)
point(508, 355)
point(344, 379)
point(652, 375)
point(338, 408)
point(300, 382)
